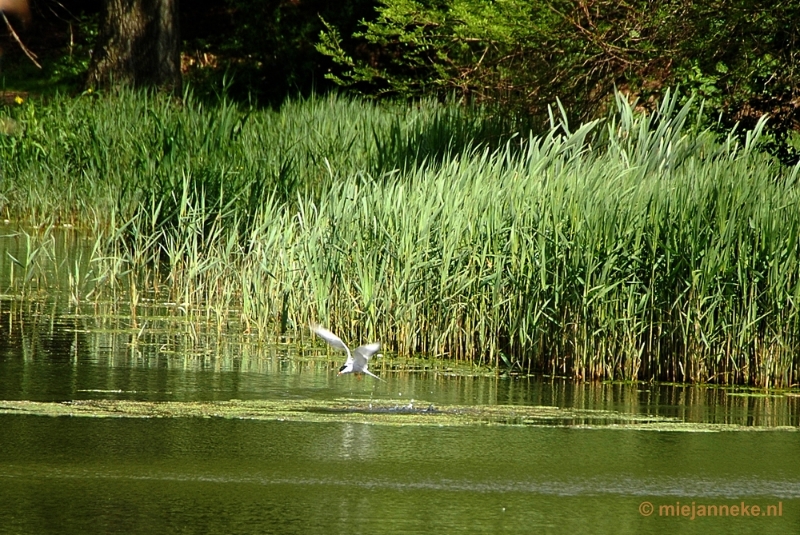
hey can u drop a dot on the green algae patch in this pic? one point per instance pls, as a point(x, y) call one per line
point(368, 412)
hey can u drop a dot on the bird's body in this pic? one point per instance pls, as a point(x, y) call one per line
point(358, 360)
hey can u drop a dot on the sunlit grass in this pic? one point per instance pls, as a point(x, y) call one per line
point(639, 247)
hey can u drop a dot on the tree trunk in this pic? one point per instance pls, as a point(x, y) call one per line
point(138, 45)
point(18, 12)
point(18, 8)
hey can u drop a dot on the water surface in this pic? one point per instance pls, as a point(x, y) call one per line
point(224, 475)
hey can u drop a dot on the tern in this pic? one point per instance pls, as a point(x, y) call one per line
point(357, 361)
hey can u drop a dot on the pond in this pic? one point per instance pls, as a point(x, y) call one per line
point(159, 424)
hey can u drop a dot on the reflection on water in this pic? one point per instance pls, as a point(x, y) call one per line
point(356, 444)
point(194, 475)
point(52, 353)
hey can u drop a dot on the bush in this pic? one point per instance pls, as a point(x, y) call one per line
point(740, 58)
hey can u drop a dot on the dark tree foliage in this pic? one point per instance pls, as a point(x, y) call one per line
point(740, 57)
point(272, 50)
point(744, 59)
point(244, 48)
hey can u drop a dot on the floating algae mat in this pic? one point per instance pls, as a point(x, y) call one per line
point(377, 412)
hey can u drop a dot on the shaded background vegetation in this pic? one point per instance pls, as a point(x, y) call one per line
point(254, 50)
point(740, 58)
point(517, 55)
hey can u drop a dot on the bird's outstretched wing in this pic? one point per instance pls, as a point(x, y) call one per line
point(329, 337)
point(361, 356)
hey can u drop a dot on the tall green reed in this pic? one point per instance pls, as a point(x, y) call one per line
point(637, 247)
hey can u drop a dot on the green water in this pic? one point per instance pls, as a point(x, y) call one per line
point(75, 475)
point(78, 475)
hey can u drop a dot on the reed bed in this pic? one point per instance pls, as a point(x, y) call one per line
point(639, 247)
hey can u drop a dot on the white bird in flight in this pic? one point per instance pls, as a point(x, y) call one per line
point(357, 361)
